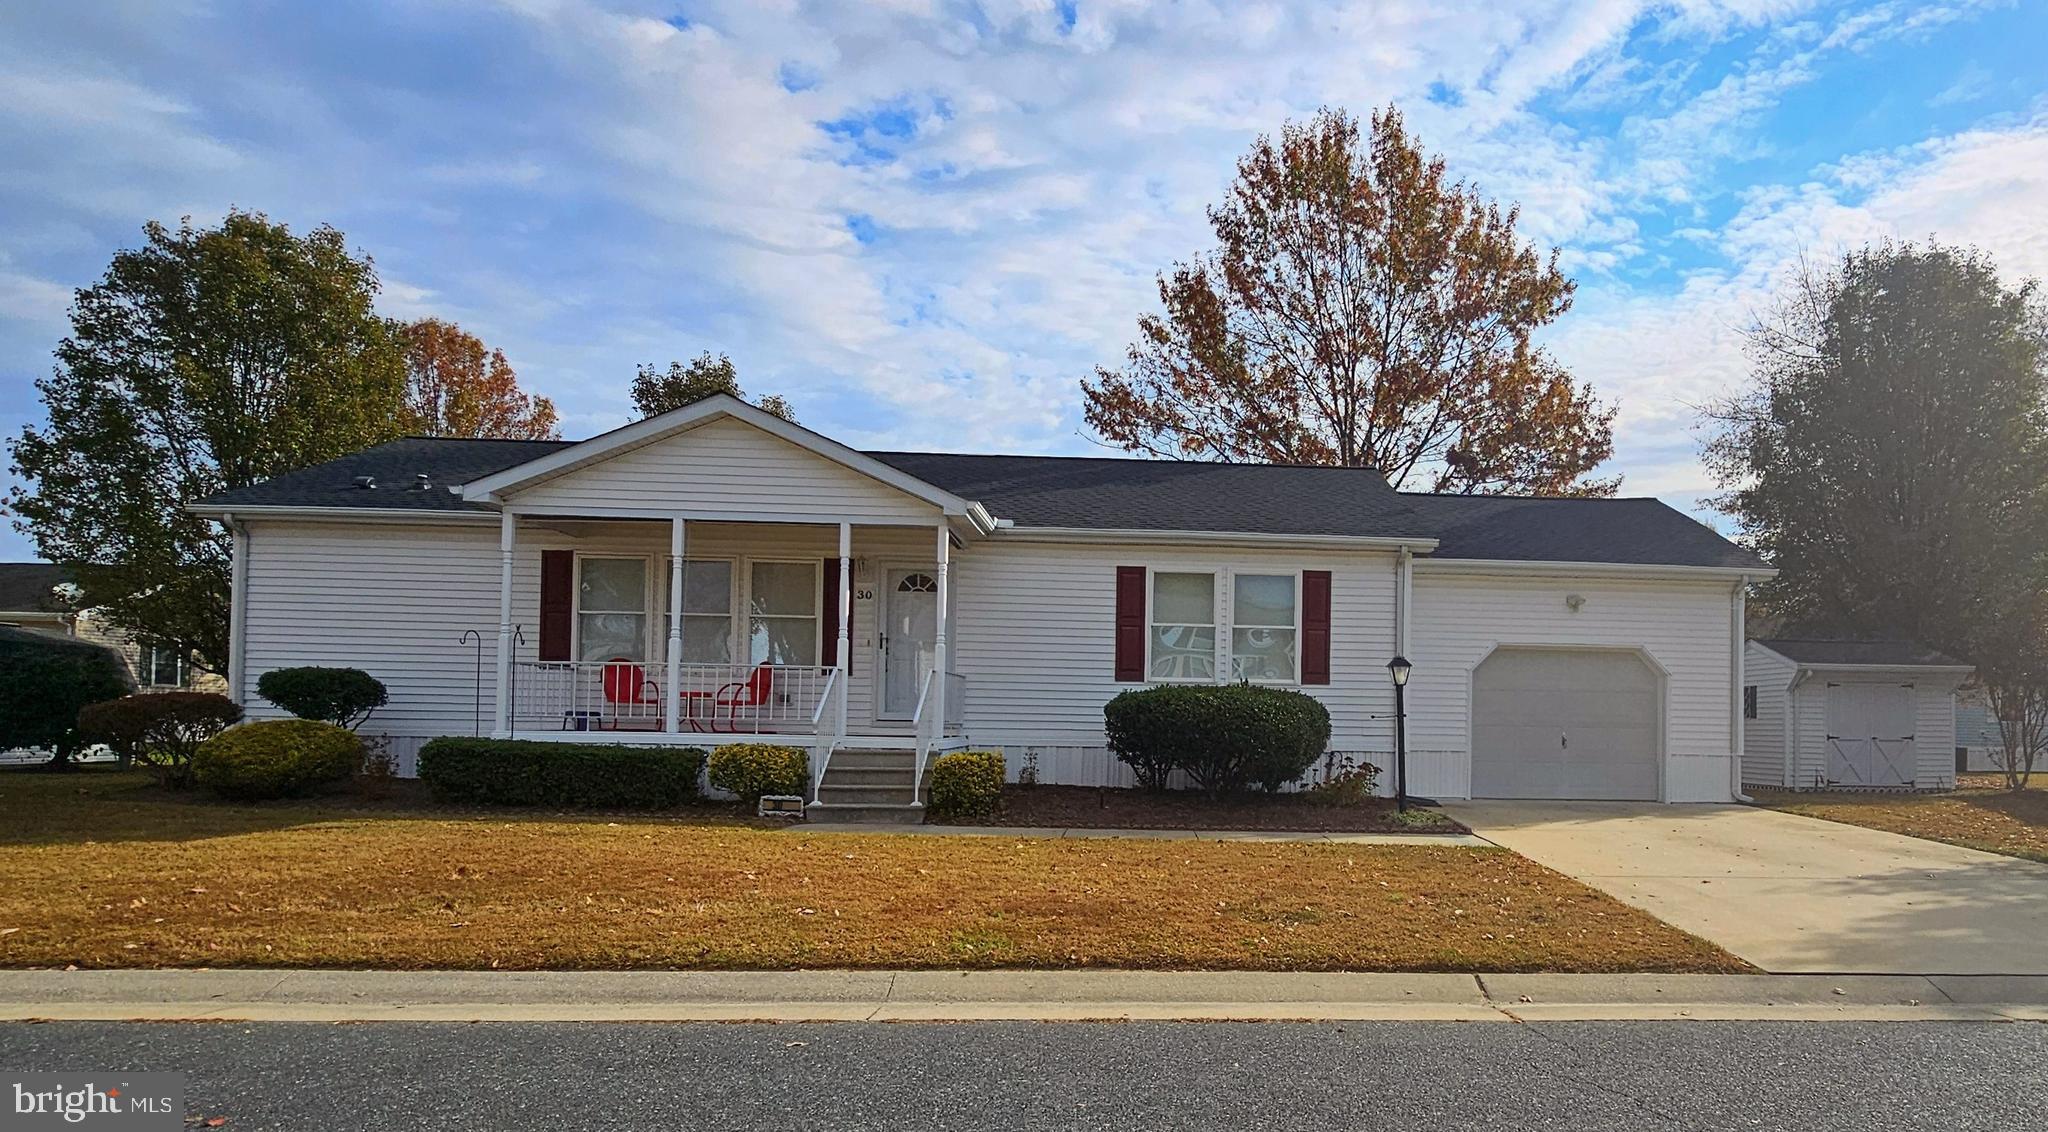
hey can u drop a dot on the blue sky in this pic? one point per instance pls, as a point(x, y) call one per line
point(924, 222)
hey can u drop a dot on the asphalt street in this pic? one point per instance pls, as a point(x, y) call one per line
point(1409, 1075)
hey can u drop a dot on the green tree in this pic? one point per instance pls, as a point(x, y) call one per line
point(208, 358)
point(1890, 457)
point(658, 391)
point(1360, 309)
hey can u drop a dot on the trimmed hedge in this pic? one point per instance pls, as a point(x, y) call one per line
point(965, 784)
point(341, 696)
point(524, 772)
point(45, 680)
point(275, 758)
point(161, 730)
point(1225, 737)
point(753, 769)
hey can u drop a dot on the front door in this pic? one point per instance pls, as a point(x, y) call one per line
point(910, 623)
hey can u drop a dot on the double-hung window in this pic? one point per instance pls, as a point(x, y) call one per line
point(611, 609)
point(163, 666)
point(1183, 629)
point(707, 611)
point(1264, 628)
point(782, 613)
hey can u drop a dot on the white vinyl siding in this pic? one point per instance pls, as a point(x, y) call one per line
point(1763, 738)
point(1681, 627)
point(1034, 634)
point(726, 467)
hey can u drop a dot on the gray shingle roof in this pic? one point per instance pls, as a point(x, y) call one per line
point(1823, 651)
point(25, 587)
point(1108, 493)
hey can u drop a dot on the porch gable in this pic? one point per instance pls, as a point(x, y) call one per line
point(717, 458)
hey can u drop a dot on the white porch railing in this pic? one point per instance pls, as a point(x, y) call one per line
point(744, 699)
point(825, 725)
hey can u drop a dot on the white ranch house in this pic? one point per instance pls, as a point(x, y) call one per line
point(716, 574)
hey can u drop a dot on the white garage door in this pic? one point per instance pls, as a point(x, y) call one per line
point(1870, 734)
point(1564, 723)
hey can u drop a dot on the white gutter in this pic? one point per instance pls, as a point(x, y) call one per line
point(350, 514)
point(1743, 574)
point(1737, 637)
point(238, 605)
point(1007, 532)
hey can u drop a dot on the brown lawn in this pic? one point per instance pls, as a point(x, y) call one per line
point(100, 870)
point(1081, 807)
point(1980, 814)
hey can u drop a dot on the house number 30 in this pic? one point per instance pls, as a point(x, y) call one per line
point(864, 595)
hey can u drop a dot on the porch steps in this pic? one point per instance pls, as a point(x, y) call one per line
point(869, 786)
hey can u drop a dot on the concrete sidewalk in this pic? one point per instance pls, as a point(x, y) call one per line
point(929, 996)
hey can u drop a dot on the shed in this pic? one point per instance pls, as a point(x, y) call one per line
point(1823, 714)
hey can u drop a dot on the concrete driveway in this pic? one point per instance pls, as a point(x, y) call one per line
point(1788, 893)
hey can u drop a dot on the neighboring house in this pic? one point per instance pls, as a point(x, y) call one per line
point(1980, 737)
point(1561, 647)
point(1825, 714)
point(41, 596)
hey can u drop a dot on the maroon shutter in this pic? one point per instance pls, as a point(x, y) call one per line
point(828, 625)
point(557, 602)
point(1130, 623)
point(1315, 626)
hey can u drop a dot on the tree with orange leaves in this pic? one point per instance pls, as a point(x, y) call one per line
point(454, 386)
point(1360, 310)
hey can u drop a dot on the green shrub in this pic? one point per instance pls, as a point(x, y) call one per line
point(1225, 737)
point(965, 784)
point(45, 680)
point(275, 758)
point(522, 772)
point(341, 696)
point(161, 730)
point(753, 769)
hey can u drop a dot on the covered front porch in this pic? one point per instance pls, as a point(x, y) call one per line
point(618, 627)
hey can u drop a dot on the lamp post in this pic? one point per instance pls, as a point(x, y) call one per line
point(1399, 669)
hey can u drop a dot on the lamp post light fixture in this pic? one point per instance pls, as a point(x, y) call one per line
point(1399, 668)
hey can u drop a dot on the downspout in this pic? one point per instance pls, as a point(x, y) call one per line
point(238, 605)
point(1736, 632)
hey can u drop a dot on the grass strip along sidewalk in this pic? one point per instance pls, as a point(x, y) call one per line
point(100, 870)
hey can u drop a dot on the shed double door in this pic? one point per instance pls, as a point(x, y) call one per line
point(1870, 734)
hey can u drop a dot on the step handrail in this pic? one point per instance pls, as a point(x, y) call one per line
point(923, 728)
point(824, 742)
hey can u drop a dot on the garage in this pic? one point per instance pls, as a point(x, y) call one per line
point(1565, 723)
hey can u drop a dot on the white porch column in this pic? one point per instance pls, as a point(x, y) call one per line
point(939, 646)
point(508, 537)
point(845, 653)
point(673, 713)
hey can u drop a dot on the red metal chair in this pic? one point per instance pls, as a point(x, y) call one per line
point(626, 685)
point(753, 692)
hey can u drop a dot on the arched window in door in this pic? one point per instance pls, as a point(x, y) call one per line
point(917, 584)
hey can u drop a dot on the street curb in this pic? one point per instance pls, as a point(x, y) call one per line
point(977, 996)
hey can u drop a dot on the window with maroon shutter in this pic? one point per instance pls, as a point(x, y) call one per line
point(1130, 624)
point(1315, 626)
point(557, 602)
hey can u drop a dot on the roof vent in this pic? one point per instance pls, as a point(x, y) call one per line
point(421, 482)
point(365, 483)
